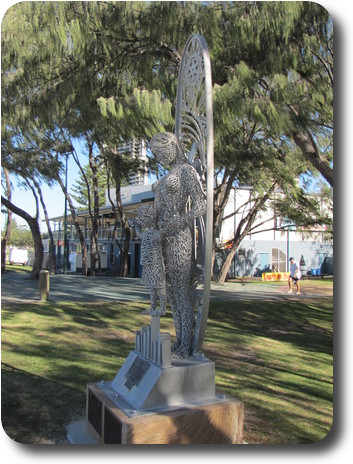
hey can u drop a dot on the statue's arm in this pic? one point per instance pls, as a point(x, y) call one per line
point(155, 185)
point(133, 223)
point(194, 188)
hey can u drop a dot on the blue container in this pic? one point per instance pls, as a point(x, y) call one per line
point(318, 271)
point(313, 271)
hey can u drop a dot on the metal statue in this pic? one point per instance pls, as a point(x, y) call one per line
point(180, 227)
point(153, 272)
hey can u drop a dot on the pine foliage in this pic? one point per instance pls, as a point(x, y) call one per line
point(108, 71)
point(80, 191)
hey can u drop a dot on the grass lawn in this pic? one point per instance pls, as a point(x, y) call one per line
point(275, 356)
point(18, 268)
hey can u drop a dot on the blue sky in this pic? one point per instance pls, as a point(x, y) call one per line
point(53, 196)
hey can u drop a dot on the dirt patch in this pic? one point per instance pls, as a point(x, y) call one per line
point(35, 410)
point(319, 287)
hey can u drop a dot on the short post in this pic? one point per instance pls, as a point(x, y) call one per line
point(44, 285)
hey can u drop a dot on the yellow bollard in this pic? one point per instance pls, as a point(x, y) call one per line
point(44, 285)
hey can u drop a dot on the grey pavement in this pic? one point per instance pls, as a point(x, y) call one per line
point(73, 287)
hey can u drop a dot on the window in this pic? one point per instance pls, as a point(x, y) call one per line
point(279, 260)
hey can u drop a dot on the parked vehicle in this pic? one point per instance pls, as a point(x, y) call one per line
point(18, 256)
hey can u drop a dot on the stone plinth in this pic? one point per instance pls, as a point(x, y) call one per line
point(219, 422)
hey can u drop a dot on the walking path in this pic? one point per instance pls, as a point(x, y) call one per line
point(18, 287)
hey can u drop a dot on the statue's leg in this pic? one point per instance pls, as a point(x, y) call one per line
point(162, 301)
point(162, 296)
point(180, 266)
point(154, 297)
point(167, 253)
point(187, 321)
point(152, 308)
point(176, 318)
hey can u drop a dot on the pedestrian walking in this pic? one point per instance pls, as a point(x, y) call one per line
point(294, 276)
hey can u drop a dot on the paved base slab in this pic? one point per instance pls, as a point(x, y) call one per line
point(78, 433)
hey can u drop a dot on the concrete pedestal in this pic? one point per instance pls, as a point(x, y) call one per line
point(141, 385)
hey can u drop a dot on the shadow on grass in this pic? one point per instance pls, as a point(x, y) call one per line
point(276, 357)
point(57, 349)
point(308, 324)
point(70, 344)
point(35, 410)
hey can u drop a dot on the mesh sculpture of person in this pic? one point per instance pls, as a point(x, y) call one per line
point(153, 273)
point(179, 199)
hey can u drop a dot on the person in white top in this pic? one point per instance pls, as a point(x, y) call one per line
point(295, 276)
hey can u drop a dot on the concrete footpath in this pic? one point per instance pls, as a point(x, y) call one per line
point(18, 287)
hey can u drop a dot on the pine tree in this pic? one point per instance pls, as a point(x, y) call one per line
point(80, 191)
point(108, 71)
point(5, 236)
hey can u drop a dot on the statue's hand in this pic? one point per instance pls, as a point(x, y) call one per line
point(176, 223)
point(155, 185)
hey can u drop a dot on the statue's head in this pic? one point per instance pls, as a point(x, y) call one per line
point(166, 148)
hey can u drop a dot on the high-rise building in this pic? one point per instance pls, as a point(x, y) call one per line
point(137, 148)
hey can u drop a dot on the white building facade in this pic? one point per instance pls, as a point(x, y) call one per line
point(271, 243)
point(266, 249)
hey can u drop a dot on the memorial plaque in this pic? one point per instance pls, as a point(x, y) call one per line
point(95, 412)
point(136, 372)
point(112, 429)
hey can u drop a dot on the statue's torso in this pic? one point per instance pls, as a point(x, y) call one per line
point(171, 196)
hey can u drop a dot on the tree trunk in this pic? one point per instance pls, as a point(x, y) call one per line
point(126, 233)
point(52, 258)
point(37, 239)
point(77, 226)
point(7, 233)
point(242, 231)
point(114, 210)
point(228, 261)
point(309, 149)
point(95, 214)
point(116, 168)
point(221, 197)
point(38, 248)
